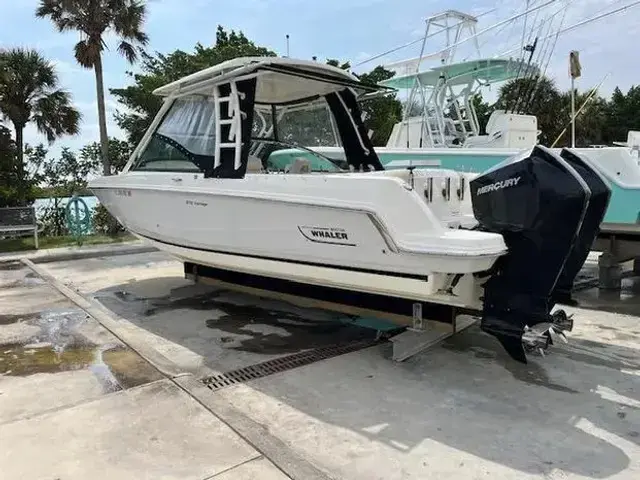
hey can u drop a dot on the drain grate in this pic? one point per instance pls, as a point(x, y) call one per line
point(281, 364)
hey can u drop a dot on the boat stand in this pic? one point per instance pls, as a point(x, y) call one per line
point(619, 243)
point(424, 334)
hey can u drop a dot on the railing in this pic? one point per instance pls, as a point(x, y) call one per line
point(17, 220)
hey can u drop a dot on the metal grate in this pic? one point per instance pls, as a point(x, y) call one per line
point(282, 364)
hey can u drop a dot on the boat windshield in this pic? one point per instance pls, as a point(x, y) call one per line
point(185, 139)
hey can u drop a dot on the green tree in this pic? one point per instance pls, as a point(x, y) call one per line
point(15, 193)
point(8, 170)
point(62, 177)
point(160, 69)
point(119, 153)
point(29, 92)
point(483, 112)
point(336, 63)
point(381, 112)
point(539, 97)
point(590, 122)
point(623, 114)
point(93, 19)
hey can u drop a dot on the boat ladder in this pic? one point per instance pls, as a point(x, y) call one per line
point(233, 118)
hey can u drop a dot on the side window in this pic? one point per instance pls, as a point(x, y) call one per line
point(312, 126)
point(162, 157)
point(187, 132)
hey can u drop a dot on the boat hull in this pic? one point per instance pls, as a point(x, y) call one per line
point(615, 163)
point(340, 243)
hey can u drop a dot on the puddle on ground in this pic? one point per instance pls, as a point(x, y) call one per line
point(271, 330)
point(626, 301)
point(155, 305)
point(129, 368)
point(8, 319)
point(211, 300)
point(599, 354)
point(59, 348)
point(30, 279)
point(8, 266)
point(115, 367)
point(23, 360)
point(301, 333)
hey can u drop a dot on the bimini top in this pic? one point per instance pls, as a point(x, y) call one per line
point(281, 80)
point(490, 70)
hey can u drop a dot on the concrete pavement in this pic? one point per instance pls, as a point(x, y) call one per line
point(76, 402)
point(461, 410)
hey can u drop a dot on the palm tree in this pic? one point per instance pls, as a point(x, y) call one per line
point(29, 92)
point(93, 18)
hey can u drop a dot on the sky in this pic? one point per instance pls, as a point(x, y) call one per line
point(352, 30)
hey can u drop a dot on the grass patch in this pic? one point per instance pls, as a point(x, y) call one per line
point(26, 243)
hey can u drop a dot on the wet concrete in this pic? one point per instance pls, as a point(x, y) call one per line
point(462, 409)
point(62, 383)
point(9, 319)
point(20, 359)
point(626, 301)
point(9, 266)
point(300, 332)
point(271, 331)
point(61, 338)
point(209, 329)
point(481, 346)
point(116, 368)
point(127, 367)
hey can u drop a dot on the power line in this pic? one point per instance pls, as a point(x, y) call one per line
point(579, 24)
point(499, 24)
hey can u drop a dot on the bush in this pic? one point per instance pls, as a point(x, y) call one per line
point(53, 219)
point(104, 223)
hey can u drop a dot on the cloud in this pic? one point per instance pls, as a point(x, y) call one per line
point(65, 68)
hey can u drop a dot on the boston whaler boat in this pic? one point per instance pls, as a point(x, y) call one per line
point(200, 186)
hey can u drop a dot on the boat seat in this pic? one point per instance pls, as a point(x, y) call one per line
point(299, 165)
point(254, 165)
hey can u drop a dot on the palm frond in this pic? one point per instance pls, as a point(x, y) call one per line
point(54, 116)
point(67, 15)
point(25, 76)
point(87, 52)
point(128, 51)
point(93, 19)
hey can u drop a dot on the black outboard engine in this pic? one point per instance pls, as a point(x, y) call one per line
point(598, 204)
point(538, 203)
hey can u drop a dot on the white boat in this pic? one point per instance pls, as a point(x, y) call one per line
point(198, 187)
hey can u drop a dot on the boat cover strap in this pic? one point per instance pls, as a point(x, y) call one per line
point(357, 145)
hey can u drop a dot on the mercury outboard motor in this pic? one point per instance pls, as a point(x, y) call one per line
point(538, 203)
point(598, 204)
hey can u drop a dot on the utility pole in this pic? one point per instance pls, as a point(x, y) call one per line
point(287, 45)
point(575, 70)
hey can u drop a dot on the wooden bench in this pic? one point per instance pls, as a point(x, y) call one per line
point(15, 221)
